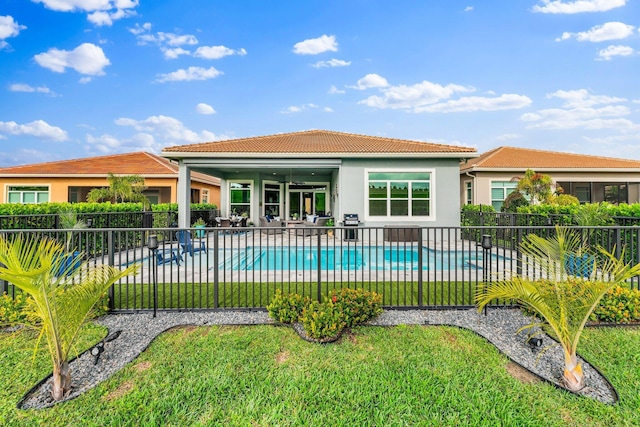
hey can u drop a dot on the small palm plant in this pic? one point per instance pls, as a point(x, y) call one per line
point(61, 302)
point(562, 300)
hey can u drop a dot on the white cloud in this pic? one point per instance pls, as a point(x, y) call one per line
point(608, 117)
point(102, 18)
point(370, 81)
point(167, 39)
point(100, 12)
point(599, 33)
point(332, 63)
point(167, 129)
point(38, 128)
point(322, 44)
point(478, 103)
point(328, 110)
point(298, 108)
point(468, 8)
point(203, 108)
point(217, 52)
point(85, 59)
point(610, 51)
point(415, 96)
point(508, 136)
point(174, 53)
point(23, 87)
point(334, 90)
point(577, 6)
point(191, 73)
point(8, 28)
point(140, 29)
point(582, 98)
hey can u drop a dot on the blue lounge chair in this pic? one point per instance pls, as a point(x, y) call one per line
point(167, 256)
point(188, 245)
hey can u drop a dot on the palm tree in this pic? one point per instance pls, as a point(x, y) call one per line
point(562, 300)
point(126, 188)
point(63, 301)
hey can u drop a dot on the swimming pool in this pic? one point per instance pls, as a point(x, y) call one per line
point(348, 258)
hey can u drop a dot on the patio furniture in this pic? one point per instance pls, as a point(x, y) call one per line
point(270, 226)
point(312, 228)
point(188, 245)
point(167, 256)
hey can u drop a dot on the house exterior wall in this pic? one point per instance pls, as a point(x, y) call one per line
point(353, 196)
point(59, 187)
point(482, 183)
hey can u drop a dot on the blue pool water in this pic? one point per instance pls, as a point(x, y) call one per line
point(348, 258)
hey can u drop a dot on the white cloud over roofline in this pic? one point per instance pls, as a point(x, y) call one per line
point(599, 33)
point(507, 101)
point(38, 128)
point(583, 98)
point(86, 59)
point(576, 6)
point(324, 43)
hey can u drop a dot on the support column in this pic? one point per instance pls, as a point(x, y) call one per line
point(184, 196)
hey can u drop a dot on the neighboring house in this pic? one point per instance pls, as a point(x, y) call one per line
point(489, 178)
point(71, 180)
point(382, 180)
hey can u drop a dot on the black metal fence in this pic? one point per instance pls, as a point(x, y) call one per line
point(510, 219)
point(241, 268)
point(138, 219)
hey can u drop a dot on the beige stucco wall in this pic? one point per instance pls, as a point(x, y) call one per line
point(59, 187)
point(482, 182)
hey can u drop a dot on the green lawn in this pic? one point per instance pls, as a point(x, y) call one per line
point(266, 375)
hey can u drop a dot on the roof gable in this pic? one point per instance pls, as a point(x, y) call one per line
point(316, 142)
point(511, 158)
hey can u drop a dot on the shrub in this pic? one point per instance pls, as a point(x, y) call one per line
point(514, 200)
point(14, 311)
point(357, 305)
point(343, 308)
point(322, 320)
point(287, 308)
point(618, 305)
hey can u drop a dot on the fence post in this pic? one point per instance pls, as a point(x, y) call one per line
point(616, 236)
point(111, 261)
point(319, 265)
point(216, 245)
point(420, 262)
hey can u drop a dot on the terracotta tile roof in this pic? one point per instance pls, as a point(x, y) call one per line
point(540, 160)
point(317, 142)
point(137, 163)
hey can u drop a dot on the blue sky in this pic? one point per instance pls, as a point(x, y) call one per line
point(92, 77)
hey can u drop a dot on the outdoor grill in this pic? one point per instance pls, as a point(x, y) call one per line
point(350, 222)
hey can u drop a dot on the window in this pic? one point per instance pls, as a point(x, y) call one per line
point(205, 195)
point(25, 194)
point(239, 198)
point(271, 199)
point(399, 194)
point(469, 192)
point(499, 191)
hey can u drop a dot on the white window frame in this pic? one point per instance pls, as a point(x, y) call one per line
point(504, 192)
point(48, 192)
point(251, 194)
point(396, 218)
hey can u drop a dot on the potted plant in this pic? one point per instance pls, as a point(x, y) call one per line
point(581, 263)
point(200, 225)
point(330, 223)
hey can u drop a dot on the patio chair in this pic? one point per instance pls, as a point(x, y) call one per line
point(167, 256)
point(312, 228)
point(270, 227)
point(187, 245)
